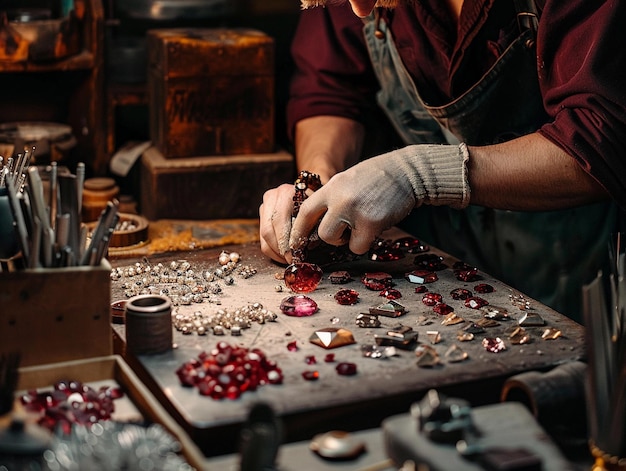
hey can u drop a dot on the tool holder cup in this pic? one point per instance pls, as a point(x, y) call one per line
point(148, 321)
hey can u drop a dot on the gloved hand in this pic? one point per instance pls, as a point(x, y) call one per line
point(358, 204)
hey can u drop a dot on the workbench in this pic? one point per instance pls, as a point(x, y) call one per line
point(381, 387)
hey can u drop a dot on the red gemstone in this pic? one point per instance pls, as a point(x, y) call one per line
point(460, 265)
point(310, 360)
point(421, 289)
point(303, 277)
point(377, 281)
point(329, 358)
point(384, 251)
point(391, 293)
point(484, 288)
point(461, 294)
point(475, 302)
point(347, 297)
point(431, 299)
point(421, 276)
point(346, 369)
point(429, 261)
point(412, 245)
point(443, 309)
point(292, 346)
point(311, 375)
point(275, 376)
point(298, 306)
point(339, 277)
point(71, 402)
point(467, 275)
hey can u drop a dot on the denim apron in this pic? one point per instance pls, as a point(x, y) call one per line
point(547, 255)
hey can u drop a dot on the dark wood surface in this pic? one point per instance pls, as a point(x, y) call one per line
point(381, 387)
point(211, 91)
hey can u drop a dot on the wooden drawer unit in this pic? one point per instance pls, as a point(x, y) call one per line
point(215, 187)
point(211, 91)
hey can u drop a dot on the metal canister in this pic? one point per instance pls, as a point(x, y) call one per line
point(148, 321)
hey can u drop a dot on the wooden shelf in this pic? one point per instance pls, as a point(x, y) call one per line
point(69, 90)
point(85, 60)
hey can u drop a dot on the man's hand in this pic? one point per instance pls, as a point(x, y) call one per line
point(357, 205)
point(275, 222)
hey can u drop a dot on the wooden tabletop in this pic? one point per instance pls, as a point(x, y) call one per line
point(381, 387)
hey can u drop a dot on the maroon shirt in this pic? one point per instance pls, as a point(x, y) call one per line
point(581, 47)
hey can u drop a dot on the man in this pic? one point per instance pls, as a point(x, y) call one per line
point(513, 121)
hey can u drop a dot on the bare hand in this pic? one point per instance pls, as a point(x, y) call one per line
point(275, 223)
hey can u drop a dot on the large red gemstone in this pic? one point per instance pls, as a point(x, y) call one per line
point(303, 277)
point(298, 306)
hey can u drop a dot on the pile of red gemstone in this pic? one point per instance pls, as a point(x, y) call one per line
point(227, 371)
point(71, 402)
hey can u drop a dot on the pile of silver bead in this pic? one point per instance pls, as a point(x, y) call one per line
point(179, 281)
point(223, 320)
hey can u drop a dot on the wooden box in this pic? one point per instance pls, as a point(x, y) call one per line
point(213, 187)
point(211, 91)
point(137, 405)
point(50, 315)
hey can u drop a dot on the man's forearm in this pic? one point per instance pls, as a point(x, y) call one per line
point(529, 173)
point(328, 144)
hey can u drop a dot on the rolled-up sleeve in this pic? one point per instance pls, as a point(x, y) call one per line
point(332, 73)
point(582, 70)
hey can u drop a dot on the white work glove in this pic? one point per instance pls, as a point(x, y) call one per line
point(357, 205)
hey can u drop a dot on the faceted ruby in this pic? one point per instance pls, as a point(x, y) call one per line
point(385, 255)
point(212, 369)
point(346, 369)
point(384, 251)
point(421, 276)
point(329, 358)
point(412, 245)
point(347, 297)
point(186, 376)
point(461, 294)
point(292, 346)
point(461, 265)
point(218, 392)
point(467, 275)
point(113, 392)
point(475, 302)
point(310, 360)
point(391, 293)
point(298, 306)
point(431, 299)
point(275, 376)
point(484, 288)
point(421, 289)
point(339, 277)
point(377, 281)
point(206, 386)
point(232, 392)
point(303, 277)
point(442, 309)
point(311, 375)
point(429, 261)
